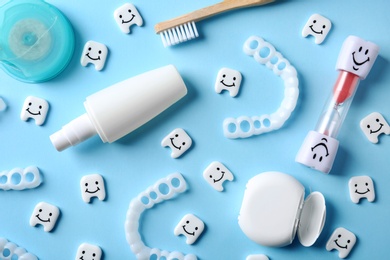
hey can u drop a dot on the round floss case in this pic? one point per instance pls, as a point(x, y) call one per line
point(36, 40)
point(274, 210)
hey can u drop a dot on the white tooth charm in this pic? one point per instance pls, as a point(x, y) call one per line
point(46, 215)
point(127, 15)
point(230, 80)
point(317, 26)
point(374, 125)
point(35, 108)
point(88, 252)
point(94, 53)
point(92, 186)
point(179, 142)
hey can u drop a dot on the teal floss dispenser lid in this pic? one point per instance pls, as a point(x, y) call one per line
point(36, 40)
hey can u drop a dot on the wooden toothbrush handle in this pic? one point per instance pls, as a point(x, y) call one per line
point(208, 11)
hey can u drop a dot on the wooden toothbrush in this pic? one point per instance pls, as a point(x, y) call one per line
point(183, 28)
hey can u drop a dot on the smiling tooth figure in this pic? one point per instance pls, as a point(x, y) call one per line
point(216, 174)
point(95, 53)
point(373, 125)
point(342, 240)
point(35, 108)
point(191, 227)
point(88, 252)
point(228, 79)
point(46, 215)
point(92, 186)
point(361, 187)
point(179, 142)
point(127, 15)
point(317, 26)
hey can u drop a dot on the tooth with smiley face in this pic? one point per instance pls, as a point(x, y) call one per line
point(216, 174)
point(88, 252)
point(95, 53)
point(127, 15)
point(361, 187)
point(179, 142)
point(357, 56)
point(46, 215)
point(35, 108)
point(342, 240)
point(228, 79)
point(317, 26)
point(92, 186)
point(373, 125)
point(191, 227)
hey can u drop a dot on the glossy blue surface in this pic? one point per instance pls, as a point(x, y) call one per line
point(137, 161)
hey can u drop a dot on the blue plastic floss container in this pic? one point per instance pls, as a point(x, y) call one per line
point(36, 40)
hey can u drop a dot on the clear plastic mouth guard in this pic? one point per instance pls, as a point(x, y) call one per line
point(257, 47)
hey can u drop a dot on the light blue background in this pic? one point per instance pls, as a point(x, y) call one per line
point(137, 161)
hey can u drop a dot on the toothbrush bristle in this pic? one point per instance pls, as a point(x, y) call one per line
point(179, 34)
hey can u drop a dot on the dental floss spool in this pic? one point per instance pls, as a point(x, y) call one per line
point(273, 210)
point(118, 110)
point(36, 40)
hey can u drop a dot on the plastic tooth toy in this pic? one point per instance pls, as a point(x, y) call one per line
point(46, 215)
point(355, 61)
point(374, 125)
point(361, 187)
point(88, 252)
point(317, 26)
point(191, 227)
point(35, 108)
point(342, 240)
point(92, 186)
point(179, 142)
point(95, 53)
point(229, 80)
point(216, 174)
point(127, 15)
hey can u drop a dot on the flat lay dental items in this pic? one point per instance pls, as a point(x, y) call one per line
point(118, 110)
point(37, 40)
point(183, 28)
point(273, 210)
point(355, 61)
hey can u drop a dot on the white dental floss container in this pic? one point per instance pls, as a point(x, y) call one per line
point(274, 210)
